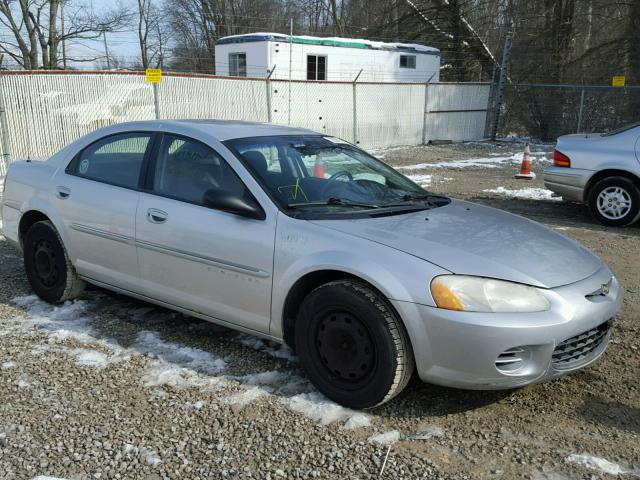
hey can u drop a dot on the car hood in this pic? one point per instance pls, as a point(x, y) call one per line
point(471, 239)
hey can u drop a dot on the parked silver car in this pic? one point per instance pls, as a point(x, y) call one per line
point(305, 239)
point(602, 170)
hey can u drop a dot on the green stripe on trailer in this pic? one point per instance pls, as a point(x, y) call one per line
point(330, 43)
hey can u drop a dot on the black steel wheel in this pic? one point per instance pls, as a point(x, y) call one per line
point(47, 265)
point(352, 345)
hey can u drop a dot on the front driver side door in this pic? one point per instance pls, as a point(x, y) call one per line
point(207, 261)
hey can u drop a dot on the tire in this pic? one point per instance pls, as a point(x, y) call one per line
point(352, 345)
point(48, 268)
point(615, 201)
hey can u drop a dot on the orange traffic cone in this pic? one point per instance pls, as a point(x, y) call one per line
point(525, 167)
point(318, 168)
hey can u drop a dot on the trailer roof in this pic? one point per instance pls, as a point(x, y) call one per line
point(330, 42)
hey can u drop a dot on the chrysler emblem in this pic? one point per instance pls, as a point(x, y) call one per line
point(603, 291)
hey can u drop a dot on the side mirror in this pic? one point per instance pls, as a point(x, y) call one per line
point(228, 202)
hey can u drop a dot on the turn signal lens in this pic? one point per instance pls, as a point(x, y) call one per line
point(445, 298)
point(560, 159)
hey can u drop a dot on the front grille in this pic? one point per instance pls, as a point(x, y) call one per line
point(576, 349)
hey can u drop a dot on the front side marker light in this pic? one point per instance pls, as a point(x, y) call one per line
point(445, 298)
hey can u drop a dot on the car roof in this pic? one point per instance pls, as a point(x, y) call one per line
point(225, 129)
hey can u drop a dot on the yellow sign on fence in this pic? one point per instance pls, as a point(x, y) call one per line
point(154, 75)
point(618, 81)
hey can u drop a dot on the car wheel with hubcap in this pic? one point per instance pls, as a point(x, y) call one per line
point(47, 265)
point(352, 344)
point(615, 201)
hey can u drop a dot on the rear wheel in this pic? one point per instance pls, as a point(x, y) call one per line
point(615, 201)
point(352, 345)
point(47, 265)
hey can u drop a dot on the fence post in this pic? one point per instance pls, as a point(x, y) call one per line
point(156, 100)
point(424, 113)
point(580, 112)
point(4, 135)
point(492, 88)
point(268, 87)
point(506, 55)
point(355, 105)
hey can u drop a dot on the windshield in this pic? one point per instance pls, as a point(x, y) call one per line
point(621, 129)
point(325, 174)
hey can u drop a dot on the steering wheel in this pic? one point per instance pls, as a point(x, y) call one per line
point(332, 179)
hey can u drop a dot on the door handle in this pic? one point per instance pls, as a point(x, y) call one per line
point(156, 216)
point(63, 192)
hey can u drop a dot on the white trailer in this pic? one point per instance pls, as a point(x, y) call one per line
point(325, 58)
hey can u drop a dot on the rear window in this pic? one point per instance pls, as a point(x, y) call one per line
point(116, 160)
point(621, 129)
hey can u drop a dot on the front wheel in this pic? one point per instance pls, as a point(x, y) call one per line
point(615, 201)
point(48, 268)
point(352, 345)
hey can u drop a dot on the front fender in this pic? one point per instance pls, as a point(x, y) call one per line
point(303, 247)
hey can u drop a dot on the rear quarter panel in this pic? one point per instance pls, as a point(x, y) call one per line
point(597, 153)
point(28, 187)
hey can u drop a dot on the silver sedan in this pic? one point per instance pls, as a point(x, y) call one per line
point(602, 170)
point(302, 238)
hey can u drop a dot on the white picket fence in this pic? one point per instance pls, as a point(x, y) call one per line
point(44, 111)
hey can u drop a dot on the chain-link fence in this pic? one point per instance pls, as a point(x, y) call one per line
point(546, 111)
point(47, 110)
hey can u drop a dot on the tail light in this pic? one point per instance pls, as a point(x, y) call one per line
point(560, 159)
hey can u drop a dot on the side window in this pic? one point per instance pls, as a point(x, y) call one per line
point(115, 160)
point(316, 67)
point(185, 169)
point(407, 61)
point(238, 64)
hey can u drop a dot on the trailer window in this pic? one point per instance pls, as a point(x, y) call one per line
point(316, 67)
point(238, 64)
point(407, 61)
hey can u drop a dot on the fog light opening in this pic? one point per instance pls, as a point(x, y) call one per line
point(513, 360)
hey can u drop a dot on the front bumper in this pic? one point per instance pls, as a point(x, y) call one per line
point(460, 349)
point(570, 183)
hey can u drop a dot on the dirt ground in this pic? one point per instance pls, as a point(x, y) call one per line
point(109, 387)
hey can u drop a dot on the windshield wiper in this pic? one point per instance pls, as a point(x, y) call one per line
point(333, 201)
point(409, 197)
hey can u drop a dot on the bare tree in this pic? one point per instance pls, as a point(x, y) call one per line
point(33, 24)
point(153, 34)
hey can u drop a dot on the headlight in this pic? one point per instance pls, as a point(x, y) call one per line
point(478, 294)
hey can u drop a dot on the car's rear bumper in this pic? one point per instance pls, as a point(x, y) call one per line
point(460, 349)
point(570, 183)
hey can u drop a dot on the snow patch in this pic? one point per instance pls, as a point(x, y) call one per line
point(8, 365)
point(150, 457)
point(44, 477)
point(358, 420)
point(246, 397)
point(385, 438)
point(598, 463)
point(484, 162)
point(318, 408)
point(525, 193)
point(198, 405)
point(422, 180)
point(163, 373)
point(178, 365)
point(279, 351)
point(22, 383)
point(428, 433)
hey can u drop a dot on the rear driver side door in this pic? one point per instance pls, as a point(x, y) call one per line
point(204, 260)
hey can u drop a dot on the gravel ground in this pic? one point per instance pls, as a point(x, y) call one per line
point(109, 387)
